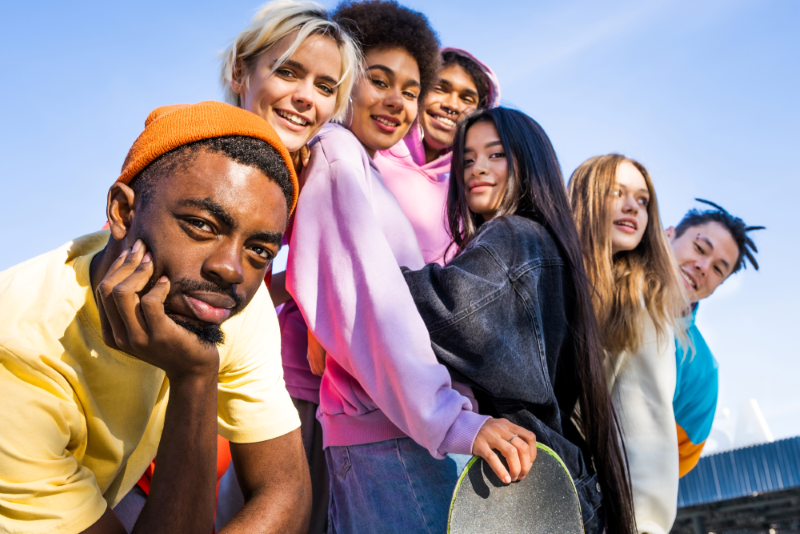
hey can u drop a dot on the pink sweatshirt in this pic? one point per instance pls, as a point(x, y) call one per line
point(421, 188)
point(350, 238)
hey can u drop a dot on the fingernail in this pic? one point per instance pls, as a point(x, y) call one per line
point(162, 280)
point(137, 245)
point(507, 480)
point(146, 258)
point(124, 253)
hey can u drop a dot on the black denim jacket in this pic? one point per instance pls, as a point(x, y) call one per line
point(498, 316)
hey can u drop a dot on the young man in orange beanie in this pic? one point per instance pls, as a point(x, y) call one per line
point(152, 337)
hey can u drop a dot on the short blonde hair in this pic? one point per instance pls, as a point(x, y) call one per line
point(274, 21)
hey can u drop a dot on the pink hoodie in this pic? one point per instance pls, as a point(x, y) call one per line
point(421, 188)
point(349, 239)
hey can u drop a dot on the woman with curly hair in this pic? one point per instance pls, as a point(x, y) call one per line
point(639, 300)
point(396, 429)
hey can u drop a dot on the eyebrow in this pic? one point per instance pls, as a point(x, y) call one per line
point(390, 72)
point(219, 212)
point(487, 145)
point(707, 241)
point(299, 66)
point(445, 81)
point(211, 207)
point(273, 238)
point(295, 64)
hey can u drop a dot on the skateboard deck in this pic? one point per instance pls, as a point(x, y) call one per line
point(545, 502)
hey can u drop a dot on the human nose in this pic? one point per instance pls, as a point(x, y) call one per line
point(393, 99)
point(701, 266)
point(630, 205)
point(480, 167)
point(452, 104)
point(304, 94)
point(224, 266)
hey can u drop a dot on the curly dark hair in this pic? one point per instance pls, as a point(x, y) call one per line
point(475, 72)
point(385, 24)
point(736, 226)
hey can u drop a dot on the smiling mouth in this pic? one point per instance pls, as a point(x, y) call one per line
point(626, 226)
point(689, 280)
point(386, 122)
point(480, 187)
point(449, 123)
point(291, 117)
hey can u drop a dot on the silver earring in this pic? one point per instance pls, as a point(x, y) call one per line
point(350, 112)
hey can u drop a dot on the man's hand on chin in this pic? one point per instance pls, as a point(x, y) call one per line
point(140, 327)
point(182, 494)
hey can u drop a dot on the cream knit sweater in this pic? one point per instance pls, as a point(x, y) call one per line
point(642, 386)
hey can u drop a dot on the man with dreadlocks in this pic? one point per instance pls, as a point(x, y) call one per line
point(709, 246)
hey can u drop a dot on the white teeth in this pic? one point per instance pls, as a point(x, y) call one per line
point(384, 121)
point(292, 118)
point(446, 121)
point(686, 277)
point(625, 223)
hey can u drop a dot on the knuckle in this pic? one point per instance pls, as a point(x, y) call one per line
point(138, 343)
point(105, 287)
point(119, 290)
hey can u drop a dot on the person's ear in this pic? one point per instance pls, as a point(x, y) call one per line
point(238, 79)
point(119, 210)
point(671, 233)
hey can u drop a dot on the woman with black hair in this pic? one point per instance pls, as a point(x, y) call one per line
point(396, 430)
point(511, 315)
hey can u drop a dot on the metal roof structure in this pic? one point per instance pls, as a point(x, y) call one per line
point(748, 490)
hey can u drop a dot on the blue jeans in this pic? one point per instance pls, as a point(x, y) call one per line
point(393, 486)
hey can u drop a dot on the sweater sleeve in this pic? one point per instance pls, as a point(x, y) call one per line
point(642, 392)
point(345, 278)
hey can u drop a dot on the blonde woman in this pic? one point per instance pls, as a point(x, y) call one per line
point(295, 67)
point(639, 300)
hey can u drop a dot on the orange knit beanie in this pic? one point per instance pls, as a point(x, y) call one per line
point(169, 127)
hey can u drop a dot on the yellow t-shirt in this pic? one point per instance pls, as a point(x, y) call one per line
point(80, 422)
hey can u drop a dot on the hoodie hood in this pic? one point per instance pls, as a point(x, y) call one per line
point(494, 85)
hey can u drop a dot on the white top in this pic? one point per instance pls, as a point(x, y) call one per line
point(642, 386)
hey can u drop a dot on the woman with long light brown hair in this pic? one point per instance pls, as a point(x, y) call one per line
point(639, 301)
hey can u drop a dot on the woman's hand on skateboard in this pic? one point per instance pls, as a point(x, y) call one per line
point(515, 443)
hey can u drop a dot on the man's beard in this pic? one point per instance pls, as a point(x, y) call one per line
point(208, 333)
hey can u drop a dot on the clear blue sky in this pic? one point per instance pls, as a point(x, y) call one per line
point(705, 94)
